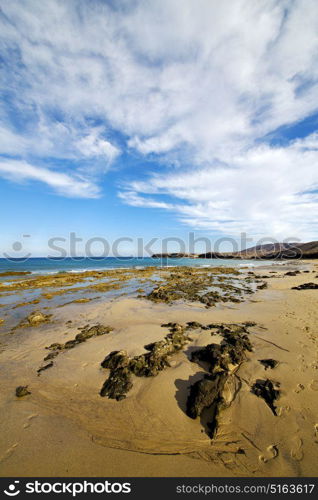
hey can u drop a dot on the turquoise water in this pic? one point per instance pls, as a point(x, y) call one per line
point(44, 265)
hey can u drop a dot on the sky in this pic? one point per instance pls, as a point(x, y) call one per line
point(157, 118)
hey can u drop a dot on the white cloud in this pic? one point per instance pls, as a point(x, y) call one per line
point(198, 83)
point(66, 185)
point(266, 190)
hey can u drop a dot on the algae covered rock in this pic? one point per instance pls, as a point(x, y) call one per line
point(86, 333)
point(118, 384)
point(116, 359)
point(37, 317)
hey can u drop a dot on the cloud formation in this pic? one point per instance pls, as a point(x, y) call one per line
point(200, 86)
point(64, 184)
point(266, 190)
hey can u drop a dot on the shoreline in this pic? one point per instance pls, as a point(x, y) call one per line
point(24, 267)
point(148, 433)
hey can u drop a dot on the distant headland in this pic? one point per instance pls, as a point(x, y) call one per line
point(268, 251)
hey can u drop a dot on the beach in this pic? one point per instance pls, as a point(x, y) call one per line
point(62, 426)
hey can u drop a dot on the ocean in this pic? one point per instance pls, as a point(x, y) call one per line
point(41, 265)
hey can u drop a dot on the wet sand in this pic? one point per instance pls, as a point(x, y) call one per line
point(65, 428)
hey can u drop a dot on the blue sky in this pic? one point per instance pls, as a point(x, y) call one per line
point(157, 118)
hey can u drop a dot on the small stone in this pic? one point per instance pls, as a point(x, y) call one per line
point(268, 363)
point(21, 391)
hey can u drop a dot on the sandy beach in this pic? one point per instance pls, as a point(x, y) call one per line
point(65, 428)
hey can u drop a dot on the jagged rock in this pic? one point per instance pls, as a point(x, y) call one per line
point(265, 389)
point(306, 286)
point(144, 365)
point(231, 351)
point(115, 359)
point(204, 393)
point(87, 332)
point(221, 358)
point(21, 391)
point(268, 363)
point(118, 384)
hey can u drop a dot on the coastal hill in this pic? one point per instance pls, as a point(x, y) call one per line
point(267, 251)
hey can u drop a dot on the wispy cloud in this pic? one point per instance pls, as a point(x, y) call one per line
point(197, 85)
point(265, 190)
point(64, 184)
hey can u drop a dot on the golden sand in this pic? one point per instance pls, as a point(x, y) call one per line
point(64, 427)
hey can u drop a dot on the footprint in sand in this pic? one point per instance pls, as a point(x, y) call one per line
point(8, 452)
point(314, 385)
point(283, 410)
point(28, 423)
point(299, 388)
point(271, 452)
point(296, 451)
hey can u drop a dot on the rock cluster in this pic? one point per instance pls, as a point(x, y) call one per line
point(149, 364)
point(222, 359)
point(86, 333)
point(195, 285)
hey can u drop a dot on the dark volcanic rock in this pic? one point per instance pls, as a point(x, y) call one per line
point(51, 355)
point(292, 273)
point(230, 351)
point(204, 393)
point(265, 389)
point(115, 359)
point(21, 391)
point(221, 359)
point(45, 367)
point(306, 286)
point(268, 363)
point(86, 333)
point(149, 364)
